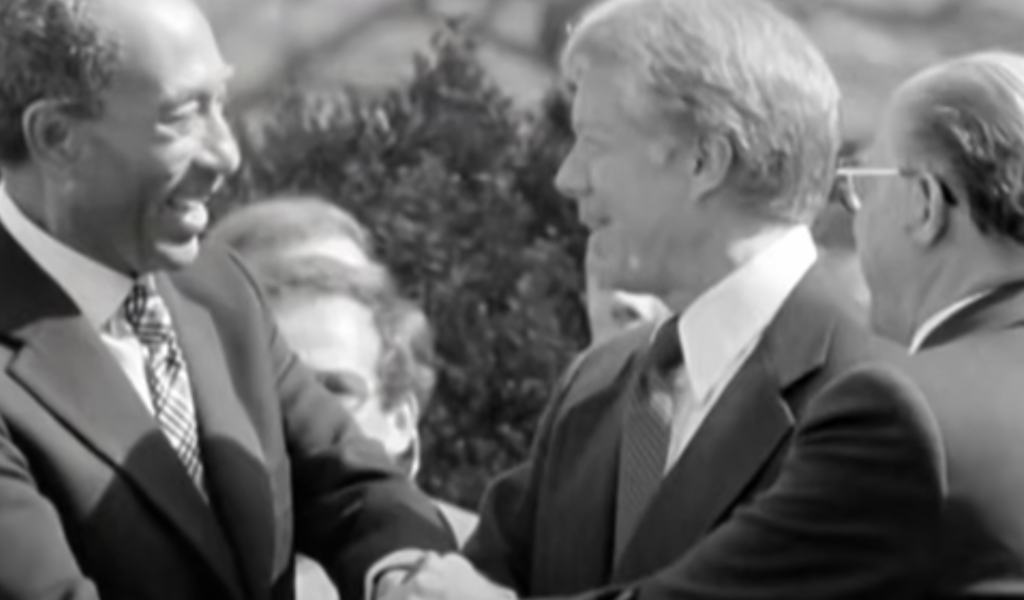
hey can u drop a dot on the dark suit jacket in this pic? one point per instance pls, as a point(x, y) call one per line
point(972, 370)
point(95, 503)
point(817, 475)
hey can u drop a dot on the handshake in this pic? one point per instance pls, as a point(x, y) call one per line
point(439, 577)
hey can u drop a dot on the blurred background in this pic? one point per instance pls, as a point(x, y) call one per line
point(871, 44)
point(440, 126)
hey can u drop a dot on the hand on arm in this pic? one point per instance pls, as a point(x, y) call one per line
point(448, 577)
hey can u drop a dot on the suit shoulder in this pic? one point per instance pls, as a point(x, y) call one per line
point(600, 365)
point(886, 391)
point(217, 271)
point(854, 344)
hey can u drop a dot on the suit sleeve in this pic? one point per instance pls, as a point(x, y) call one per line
point(852, 515)
point(36, 562)
point(501, 547)
point(352, 506)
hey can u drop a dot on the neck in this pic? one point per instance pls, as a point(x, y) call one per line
point(963, 274)
point(22, 184)
point(725, 250)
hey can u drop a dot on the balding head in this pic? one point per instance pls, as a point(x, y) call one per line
point(112, 130)
point(964, 121)
point(946, 218)
point(71, 50)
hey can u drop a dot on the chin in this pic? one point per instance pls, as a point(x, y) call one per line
point(174, 256)
point(634, 282)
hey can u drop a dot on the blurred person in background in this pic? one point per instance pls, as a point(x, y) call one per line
point(296, 225)
point(336, 317)
point(371, 349)
point(341, 312)
point(939, 208)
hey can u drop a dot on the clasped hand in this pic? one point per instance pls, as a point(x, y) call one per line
point(437, 577)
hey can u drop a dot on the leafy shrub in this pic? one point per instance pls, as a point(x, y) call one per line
point(456, 186)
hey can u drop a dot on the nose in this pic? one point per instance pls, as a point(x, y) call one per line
point(220, 149)
point(571, 180)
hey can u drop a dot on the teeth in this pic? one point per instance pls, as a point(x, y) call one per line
point(187, 202)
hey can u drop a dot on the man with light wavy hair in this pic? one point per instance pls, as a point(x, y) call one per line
point(750, 446)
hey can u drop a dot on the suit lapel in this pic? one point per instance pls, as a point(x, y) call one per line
point(588, 454)
point(747, 426)
point(64, 364)
point(231, 452)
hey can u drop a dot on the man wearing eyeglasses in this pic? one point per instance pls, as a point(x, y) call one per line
point(940, 232)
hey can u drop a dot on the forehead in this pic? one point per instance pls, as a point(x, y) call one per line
point(599, 100)
point(167, 47)
point(890, 136)
point(331, 333)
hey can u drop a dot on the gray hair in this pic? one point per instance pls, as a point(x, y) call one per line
point(49, 49)
point(284, 223)
point(967, 120)
point(737, 67)
point(406, 367)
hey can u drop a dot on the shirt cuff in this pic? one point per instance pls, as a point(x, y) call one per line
point(403, 560)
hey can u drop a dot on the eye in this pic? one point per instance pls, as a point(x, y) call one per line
point(184, 110)
point(343, 383)
point(623, 314)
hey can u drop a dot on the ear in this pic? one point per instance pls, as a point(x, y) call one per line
point(713, 160)
point(51, 134)
point(707, 162)
point(405, 415)
point(404, 420)
point(931, 211)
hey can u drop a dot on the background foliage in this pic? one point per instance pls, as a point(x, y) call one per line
point(456, 186)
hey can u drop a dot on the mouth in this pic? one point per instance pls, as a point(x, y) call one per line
point(594, 222)
point(190, 213)
point(188, 201)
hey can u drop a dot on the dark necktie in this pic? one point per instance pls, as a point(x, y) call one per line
point(646, 434)
point(166, 375)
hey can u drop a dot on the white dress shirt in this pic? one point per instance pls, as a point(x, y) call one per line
point(96, 290)
point(935, 321)
point(720, 330)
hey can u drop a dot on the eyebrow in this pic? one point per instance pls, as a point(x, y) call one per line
point(219, 78)
point(592, 127)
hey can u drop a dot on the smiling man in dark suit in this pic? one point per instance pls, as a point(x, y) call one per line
point(158, 439)
point(751, 446)
point(940, 231)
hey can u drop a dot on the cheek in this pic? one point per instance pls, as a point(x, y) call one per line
point(879, 243)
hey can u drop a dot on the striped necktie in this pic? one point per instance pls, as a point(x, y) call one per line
point(646, 435)
point(166, 375)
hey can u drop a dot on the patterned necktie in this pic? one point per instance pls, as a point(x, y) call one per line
point(166, 375)
point(645, 436)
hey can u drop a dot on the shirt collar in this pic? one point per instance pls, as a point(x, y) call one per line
point(97, 290)
point(723, 322)
point(935, 321)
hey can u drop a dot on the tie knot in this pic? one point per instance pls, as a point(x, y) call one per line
point(145, 311)
point(666, 351)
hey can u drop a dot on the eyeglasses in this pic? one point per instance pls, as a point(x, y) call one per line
point(849, 195)
point(846, 189)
